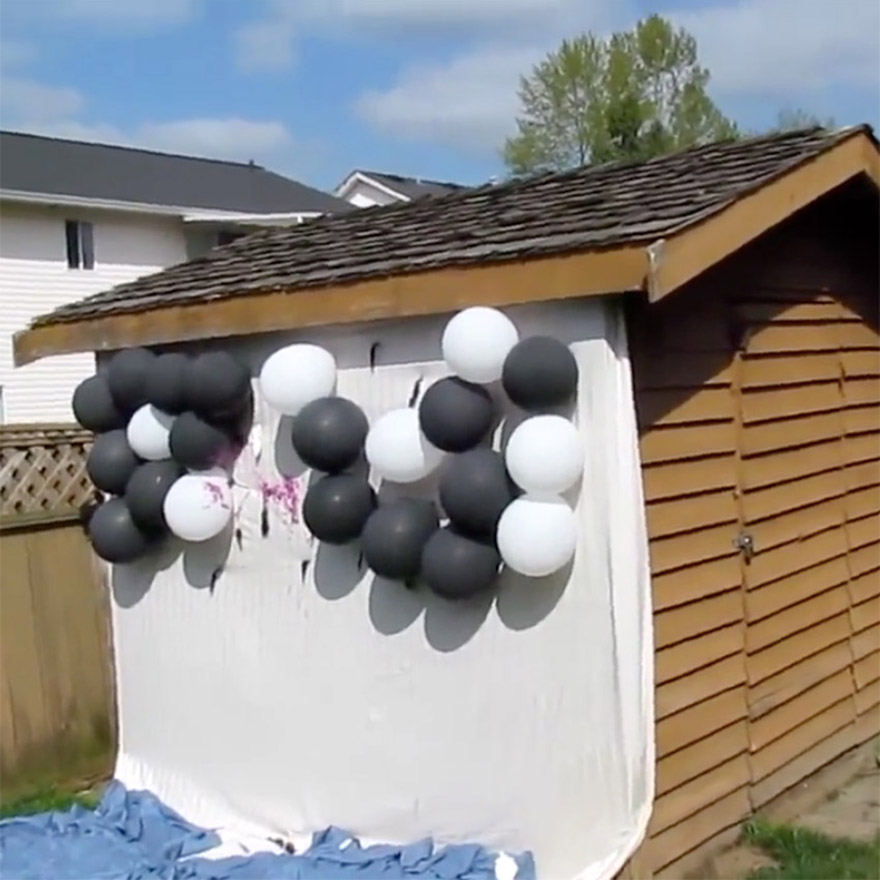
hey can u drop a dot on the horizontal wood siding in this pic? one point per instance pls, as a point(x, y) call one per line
point(687, 417)
point(758, 395)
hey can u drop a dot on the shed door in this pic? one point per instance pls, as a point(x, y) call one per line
point(806, 390)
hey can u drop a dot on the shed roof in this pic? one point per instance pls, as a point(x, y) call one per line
point(48, 166)
point(619, 227)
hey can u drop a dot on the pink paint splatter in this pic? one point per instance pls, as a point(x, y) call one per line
point(218, 496)
point(286, 493)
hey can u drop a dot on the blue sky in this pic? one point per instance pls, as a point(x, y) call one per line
point(314, 88)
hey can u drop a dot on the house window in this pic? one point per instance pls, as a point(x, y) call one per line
point(80, 238)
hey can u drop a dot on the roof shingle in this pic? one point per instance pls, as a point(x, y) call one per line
point(56, 167)
point(590, 208)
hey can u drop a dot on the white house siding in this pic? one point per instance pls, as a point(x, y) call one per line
point(35, 278)
point(363, 195)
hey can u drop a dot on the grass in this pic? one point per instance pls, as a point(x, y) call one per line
point(42, 800)
point(801, 854)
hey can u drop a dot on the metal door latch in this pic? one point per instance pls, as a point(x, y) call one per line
point(745, 543)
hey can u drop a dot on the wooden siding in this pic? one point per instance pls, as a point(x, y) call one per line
point(758, 394)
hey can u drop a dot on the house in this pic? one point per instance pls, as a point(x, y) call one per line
point(80, 217)
point(723, 306)
point(367, 188)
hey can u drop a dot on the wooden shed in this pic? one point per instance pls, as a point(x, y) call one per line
point(749, 273)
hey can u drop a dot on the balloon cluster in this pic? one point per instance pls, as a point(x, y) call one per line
point(155, 418)
point(500, 508)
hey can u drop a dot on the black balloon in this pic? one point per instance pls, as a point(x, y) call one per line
point(217, 384)
point(114, 535)
point(127, 377)
point(456, 415)
point(395, 535)
point(474, 490)
point(198, 444)
point(94, 408)
point(337, 507)
point(540, 373)
point(328, 434)
point(457, 566)
point(111, 462)
point(167, 382)
point(146, 490)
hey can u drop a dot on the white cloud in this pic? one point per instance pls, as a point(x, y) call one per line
point(28, 105)
point(26, 100)
point(470, 102)
point(787, 48)
point(781, 52)
point(267, 42)
point(16, 53)
point(265, 45)
point(115, 14)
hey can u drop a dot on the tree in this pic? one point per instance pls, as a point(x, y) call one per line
point(792, 119)
point(636, 94)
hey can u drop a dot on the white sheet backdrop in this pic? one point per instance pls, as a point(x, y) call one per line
point(273, 704)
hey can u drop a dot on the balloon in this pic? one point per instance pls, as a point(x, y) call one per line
point(537, 536)
point(297, 375)
point(455, 566)
point(395, 535)
point(127, 377)
point(111, 462)
point(545, 455)
point(198, 506)
point(328, 434)
point(540, 373)
point(148, 431)
point(337, 507)
point(167, 382)
point(93, 406)
point(114, 535)
point(398, 450)
point(474, 490)
point(476, 342)
point(197, 444)
point(146, 490)
point(456, 415)
point(217, 384)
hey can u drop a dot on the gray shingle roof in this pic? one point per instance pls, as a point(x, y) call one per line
point(51, 166)
point(413, 187)
point(589, 208)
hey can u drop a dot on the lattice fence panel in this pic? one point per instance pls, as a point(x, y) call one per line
point(43, 472)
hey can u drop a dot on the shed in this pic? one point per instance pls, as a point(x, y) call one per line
point(747, 274)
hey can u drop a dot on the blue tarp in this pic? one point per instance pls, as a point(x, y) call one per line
point(134, 836)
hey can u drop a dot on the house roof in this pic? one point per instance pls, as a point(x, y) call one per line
point(598, 230)
point(413, 187)
point(36, 165)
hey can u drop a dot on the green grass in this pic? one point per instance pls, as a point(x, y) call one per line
point(807, 855)
point(42, 800)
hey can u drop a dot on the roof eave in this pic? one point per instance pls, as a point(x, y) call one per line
point(356, 177)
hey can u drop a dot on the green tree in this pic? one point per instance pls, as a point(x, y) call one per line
point(636, 94)
point(792, 119)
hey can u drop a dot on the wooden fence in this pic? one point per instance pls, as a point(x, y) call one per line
point(56, 714)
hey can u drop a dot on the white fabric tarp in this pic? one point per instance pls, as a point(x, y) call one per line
point(268, 686)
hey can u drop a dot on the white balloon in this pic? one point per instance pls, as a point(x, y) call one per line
point(537, 536)
point(476, 342)
point(198, 507)
point(296, 375)
point(148, 431)
point(545, 455)
point(397, 449)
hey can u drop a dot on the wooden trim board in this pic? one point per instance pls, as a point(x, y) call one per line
point(658, 268)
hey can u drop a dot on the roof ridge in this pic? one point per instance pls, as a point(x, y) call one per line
point(132, 149)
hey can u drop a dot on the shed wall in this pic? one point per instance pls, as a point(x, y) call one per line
point(758, 394)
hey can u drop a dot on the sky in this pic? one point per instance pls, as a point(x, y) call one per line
point(316, 88)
